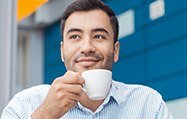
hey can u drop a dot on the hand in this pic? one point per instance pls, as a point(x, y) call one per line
point(63, 94)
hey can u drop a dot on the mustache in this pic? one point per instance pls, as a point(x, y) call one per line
point(90, 55)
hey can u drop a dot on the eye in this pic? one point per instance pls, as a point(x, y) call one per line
point(99, 37)
point(74, 37)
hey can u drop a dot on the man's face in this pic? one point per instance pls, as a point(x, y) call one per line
point(88, 41)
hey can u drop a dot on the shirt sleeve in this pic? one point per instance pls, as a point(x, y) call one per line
point(15, 110)
point(162, 110)
point(24, 103)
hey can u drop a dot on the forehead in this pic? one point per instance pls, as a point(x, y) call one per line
point(87, 20)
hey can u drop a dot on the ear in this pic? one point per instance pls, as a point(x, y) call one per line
point(116, 51)
point(61, 50)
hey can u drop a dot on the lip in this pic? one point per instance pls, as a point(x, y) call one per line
point(87, 61)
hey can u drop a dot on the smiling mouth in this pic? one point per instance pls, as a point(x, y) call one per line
point(87, 61)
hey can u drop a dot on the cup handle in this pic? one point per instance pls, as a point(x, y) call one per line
point(83, 88)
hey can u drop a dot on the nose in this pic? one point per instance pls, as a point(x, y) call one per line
point(87, 47)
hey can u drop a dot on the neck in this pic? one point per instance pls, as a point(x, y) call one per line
point(90, 104)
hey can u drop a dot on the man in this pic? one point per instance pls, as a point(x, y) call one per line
point(90, 33)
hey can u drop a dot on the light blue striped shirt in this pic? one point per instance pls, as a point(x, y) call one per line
point(122, 102)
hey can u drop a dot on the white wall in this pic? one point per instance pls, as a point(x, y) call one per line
point(36, 60)
point(30, 59)
point(51, 12)
point(178, 108)
point(8, 40)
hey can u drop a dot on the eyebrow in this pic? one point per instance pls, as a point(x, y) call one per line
point(100, 30)
point(93, 30)
point(74, 30)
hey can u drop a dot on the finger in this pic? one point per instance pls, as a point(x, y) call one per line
point(71, 104)
point(73, 79)
point(73, 88)
point(68, 103)
point(73, 96)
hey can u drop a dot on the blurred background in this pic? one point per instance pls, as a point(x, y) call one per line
point(153, 38)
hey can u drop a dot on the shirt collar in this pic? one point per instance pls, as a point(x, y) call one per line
point(114, 93)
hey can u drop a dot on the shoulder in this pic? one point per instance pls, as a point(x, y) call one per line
point(131, 87)
point(30, 95)
point(25, 102)
point(136, 90)
point(35, 91)
point(145, 98)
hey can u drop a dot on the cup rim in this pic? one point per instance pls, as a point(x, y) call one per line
point(90, 70)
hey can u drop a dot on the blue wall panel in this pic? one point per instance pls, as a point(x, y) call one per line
point(130, 70)
point(167, 30)
point(132, 44)
point(52, 55)
point(173, 87)
point(120, 6)
point(52, 35)
point(173, 7)
point(140, 17)
point(168, 59)
point(52, 63)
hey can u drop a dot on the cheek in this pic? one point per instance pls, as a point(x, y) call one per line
point(107, 52)
point(68, 53)
point(108, 49)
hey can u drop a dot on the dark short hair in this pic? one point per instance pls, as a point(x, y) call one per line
point(87, 5)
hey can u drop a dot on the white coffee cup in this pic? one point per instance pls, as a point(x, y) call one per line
point(97, 83)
